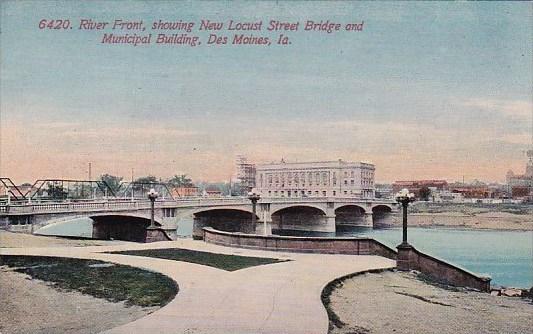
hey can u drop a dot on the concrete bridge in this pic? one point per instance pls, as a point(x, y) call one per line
point(128, 219)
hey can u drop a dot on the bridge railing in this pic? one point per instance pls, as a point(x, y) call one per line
point(121, 204)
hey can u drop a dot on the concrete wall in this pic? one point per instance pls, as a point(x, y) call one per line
point(411, 259)
point(156, 234)
point(354, 246)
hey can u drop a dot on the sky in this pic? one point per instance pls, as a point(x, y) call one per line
point(425, 90)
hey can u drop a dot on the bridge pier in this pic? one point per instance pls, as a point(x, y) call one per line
point(368, 220)
point(264, 224)
point(330, 218)
point(330, 224)
point(197, 228)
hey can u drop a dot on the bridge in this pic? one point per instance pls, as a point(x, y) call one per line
point(127, 219)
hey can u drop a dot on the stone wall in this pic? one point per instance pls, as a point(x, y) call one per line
point(154, 234)
point(353, 246)
point(410, 258)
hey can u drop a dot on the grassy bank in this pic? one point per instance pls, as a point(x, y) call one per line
point(99, 279)
point(220, 261)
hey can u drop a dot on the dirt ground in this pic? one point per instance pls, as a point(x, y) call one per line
point(31, 306)
point(393, 302)
point(11, 239)
point(485, 220)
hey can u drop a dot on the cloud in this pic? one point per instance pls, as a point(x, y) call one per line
point(513, 108)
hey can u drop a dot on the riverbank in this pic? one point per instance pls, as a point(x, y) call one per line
point(471, 215)
point(481, 220)
point(394, 302)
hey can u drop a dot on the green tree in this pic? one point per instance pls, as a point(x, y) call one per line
point(147, 179)
point(56, 191)
point(424, 193)
point(180, 181)
point(112, 181)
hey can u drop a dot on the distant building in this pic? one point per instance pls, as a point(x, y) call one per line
point(521, 186)
point(316, 179)
point(185, 191)
point(384, 191)
point(446, 196)
point(415, 186)
point(212, 191)
point(472, 190)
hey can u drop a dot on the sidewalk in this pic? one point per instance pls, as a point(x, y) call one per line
point(275, 298)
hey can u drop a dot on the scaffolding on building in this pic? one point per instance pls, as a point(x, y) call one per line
point(245, 174)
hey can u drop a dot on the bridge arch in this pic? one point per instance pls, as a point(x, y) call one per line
point(121, 227)
point(299, 218)
point(382, 215)
point(223, 219)
point(277, 208)
point(381, 208)
point(351, 215)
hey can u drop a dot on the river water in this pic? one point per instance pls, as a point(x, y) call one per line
point(506, 256)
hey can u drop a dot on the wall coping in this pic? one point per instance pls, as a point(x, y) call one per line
point(286, 237)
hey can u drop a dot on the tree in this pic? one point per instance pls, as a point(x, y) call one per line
point(147, 179)
point(179, 181)
point(144, 179)
point(112, 181)
point(424, 193)
point(56, 191)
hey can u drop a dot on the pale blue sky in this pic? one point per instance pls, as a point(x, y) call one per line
point(436, 90)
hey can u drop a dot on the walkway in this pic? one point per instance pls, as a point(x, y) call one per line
point(275, 298)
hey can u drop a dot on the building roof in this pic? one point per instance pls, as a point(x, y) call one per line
point(314, 164)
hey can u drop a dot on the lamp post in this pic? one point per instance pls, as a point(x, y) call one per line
point(404, 197)
point(254, 197)
point(152, 196)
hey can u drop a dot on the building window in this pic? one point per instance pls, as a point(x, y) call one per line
point(334, 193)
point(324, 193)
point(352, 182)
point(345, 182)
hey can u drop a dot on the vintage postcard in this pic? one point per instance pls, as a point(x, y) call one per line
point(273, 167)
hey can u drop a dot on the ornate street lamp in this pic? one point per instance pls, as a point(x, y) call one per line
point(152, 196)
point(254, 197)
point(404, 197)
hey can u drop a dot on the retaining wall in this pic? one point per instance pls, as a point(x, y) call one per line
point(409, 258)
point(352, 246)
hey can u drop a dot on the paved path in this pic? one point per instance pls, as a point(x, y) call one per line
point(275, 298)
